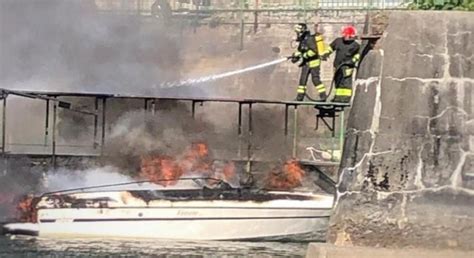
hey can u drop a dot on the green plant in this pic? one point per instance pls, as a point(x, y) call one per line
point(459, 5)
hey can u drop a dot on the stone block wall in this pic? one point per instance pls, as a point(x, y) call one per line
point(406, 177)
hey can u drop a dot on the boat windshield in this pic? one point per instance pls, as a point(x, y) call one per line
point(179, 184)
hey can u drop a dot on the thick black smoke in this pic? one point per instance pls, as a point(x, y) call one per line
point(73, 45)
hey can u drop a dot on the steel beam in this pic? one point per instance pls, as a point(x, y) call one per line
point(286, 119)
point(96, 118)
point(295, 132)
point(145, 110)
point(240, 119)
point(242, 26)
point(153, 106)
point(51, 94)
point(46, 124)
point(250, 133)
point(250, 119)
point(341, 131)
point(239, 130)
point(53, 154)
point(104, 111)
point(4, 121)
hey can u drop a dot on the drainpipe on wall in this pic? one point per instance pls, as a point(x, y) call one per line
point(304, 10)
point(255, 24)
point(241, 47)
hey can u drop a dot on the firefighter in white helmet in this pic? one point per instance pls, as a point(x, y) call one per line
point(310, 49)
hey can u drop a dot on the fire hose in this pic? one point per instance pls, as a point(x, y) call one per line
point(333, 81)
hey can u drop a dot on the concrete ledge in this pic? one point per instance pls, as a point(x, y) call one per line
point(323, 250)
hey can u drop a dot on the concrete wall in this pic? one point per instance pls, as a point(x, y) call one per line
point(406, 178)
point(323, 250)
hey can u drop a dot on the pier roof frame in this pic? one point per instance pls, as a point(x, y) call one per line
point(328, 110)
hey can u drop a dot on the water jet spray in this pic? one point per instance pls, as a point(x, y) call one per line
point(214, 77)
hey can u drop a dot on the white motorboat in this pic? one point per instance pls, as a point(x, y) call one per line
point(190, 210)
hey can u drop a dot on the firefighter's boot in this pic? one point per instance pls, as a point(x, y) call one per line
point(323, 96)
point(342, 99)
point(300, 97)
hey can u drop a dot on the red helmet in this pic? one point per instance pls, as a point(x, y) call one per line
point(349, 31)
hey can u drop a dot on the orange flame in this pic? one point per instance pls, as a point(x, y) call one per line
point(26, 211)
point(195, 159)
point(289, 177)
point(200, 149)
point(229, 172)
point(162, 170)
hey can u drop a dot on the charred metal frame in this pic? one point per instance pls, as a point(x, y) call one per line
point(104, 111)
point(53, 154)
point(330, 113)
point(4, 121)
point(326, 110)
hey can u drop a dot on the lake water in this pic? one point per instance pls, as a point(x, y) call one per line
point(46, 247)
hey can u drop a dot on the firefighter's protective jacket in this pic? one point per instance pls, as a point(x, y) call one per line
point(347, 52)
point(310, 48)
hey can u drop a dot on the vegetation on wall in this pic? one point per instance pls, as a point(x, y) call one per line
point(461, 5)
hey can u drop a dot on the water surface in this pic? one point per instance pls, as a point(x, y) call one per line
point(47, 247)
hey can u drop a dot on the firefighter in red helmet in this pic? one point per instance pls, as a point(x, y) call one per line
point(347, 56)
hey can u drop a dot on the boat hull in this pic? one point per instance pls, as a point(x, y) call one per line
point(183, 214)
point(185, 223)
point(27, 229)
point(230, 229)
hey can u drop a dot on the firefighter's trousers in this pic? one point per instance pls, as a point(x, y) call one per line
point(343, 83)
point(312, 68)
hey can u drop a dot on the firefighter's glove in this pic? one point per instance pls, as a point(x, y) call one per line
point(324, 57)
point(350, 64)
point(294, 59)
